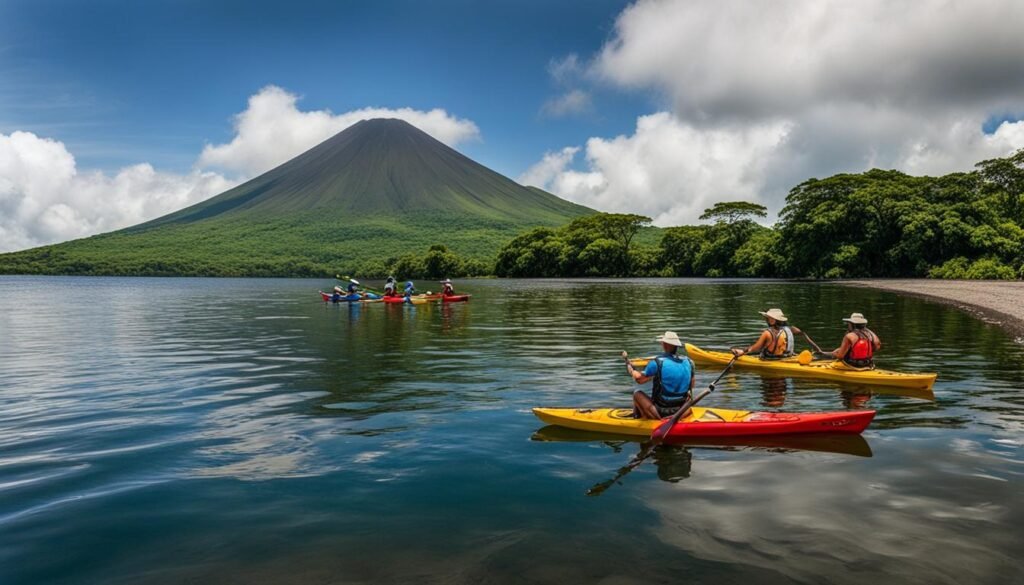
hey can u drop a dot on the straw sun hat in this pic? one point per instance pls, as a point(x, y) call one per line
point(776, 314)
point(856, 319)
point(670, 338)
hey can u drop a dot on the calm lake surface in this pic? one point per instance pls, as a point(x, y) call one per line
point(242, 431)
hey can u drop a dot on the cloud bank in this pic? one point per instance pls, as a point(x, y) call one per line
point(760, 96)
point(45, 198)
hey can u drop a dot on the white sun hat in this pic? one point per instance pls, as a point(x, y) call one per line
point(856, 319)
point(671, 338)
point(776, 314)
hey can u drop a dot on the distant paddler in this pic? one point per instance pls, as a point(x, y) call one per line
point(673, 378)
point(390, 286)
point(449, 288)
point(859, 344)
point(410, 289)
point(777, 341)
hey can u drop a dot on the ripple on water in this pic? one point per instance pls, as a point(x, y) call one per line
point(279, 439)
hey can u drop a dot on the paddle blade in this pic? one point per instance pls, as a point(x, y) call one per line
point(659, 434)
point(804, 358)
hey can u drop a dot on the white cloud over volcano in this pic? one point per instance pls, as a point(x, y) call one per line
point(761, 95)
point(45, 198)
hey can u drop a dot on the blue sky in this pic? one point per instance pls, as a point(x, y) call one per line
point(117, 112)
point(122, 82)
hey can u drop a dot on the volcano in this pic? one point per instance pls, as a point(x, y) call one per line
point(379, 189)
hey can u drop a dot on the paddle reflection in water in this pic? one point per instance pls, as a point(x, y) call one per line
point(673, 459)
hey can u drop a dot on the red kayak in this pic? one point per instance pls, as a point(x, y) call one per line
point(710, 422)
point(454, 298)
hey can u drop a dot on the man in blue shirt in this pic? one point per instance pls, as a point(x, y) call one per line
point(673, 381)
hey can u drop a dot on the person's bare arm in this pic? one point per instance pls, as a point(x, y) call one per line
point(796, 330)
point(633, 372)
point(761, 341)
point(876, 341)
point(845, 347)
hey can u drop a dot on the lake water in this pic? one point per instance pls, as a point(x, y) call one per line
point(242, 431)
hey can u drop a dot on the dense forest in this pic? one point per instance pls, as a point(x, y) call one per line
point(872, 224)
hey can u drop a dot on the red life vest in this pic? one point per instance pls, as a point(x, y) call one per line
point(864, 347)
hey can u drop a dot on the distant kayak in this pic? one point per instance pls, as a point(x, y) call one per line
point(454, 298)
point(710, 422)
point(369, 298)
point(826, 369)
point(403, 300)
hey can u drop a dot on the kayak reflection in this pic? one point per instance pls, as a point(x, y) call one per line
point(674, 458)
point(848, 444)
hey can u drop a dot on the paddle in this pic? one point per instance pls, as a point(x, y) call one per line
point(350, 279)
point(811, 341)
point(657, 436)
point(805, 356)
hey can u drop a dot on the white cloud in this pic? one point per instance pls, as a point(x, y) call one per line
point(552, 165)
point(567, 70)
point(575, 101)
point(44, 198)
point(668, 169)
point(273, 130)
point(814, 88)
point(757, 59)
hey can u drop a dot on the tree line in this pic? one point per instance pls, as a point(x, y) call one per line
point(872, 224)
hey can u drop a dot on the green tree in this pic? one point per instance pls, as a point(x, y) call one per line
point(440, 263)
point(734, 211)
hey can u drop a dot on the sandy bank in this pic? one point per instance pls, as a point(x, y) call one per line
point(992, 300)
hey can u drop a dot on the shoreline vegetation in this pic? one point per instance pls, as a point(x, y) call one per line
point(876, 224)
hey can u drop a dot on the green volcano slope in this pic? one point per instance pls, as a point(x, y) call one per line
point(377, 190)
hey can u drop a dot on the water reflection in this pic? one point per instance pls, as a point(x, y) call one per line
point(674, 459)
point(281, 432)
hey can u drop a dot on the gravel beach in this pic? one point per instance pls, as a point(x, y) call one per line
point(992, 300)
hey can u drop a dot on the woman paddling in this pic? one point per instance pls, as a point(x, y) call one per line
point(775, 342)
point(673, 381)
point(859, 344)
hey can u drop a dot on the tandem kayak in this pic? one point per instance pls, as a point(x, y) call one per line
point(710, 422)
point(454, 298)
point(826, 369)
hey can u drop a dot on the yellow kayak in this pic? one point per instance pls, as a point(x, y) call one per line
point(826, 369)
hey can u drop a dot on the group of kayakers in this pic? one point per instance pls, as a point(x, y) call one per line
point(354, 290)
point(778, 340)
point(673, 375)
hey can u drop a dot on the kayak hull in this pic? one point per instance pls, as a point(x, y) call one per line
point(404, 301)
point(369, 298)
point(454, 298)
point(710, 422)
point(823, 369)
